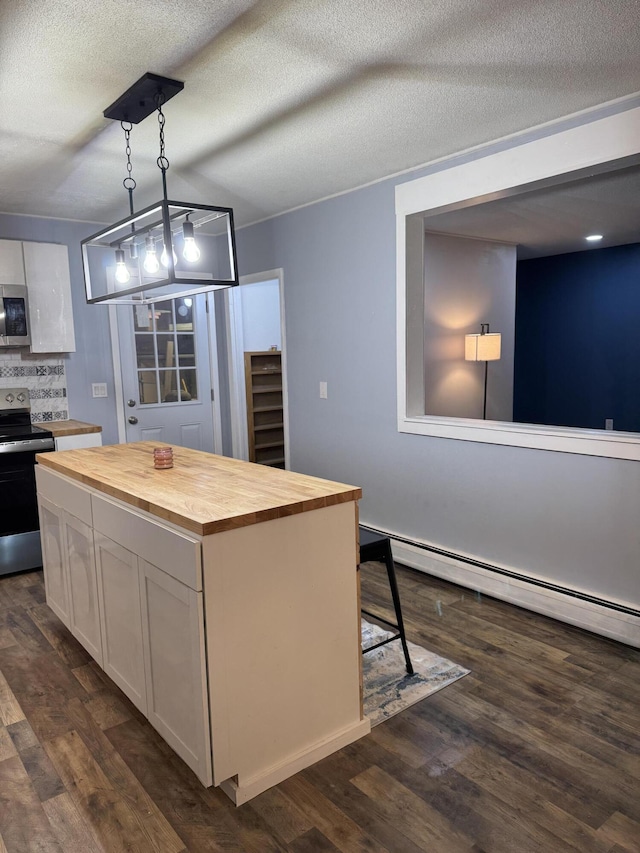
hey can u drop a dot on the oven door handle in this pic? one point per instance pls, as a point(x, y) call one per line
point(32, 445)
point(3, 324)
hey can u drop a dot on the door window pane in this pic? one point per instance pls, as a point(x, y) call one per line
point(143, 318)
point(145, 354)
point(148, 386)
point(184, 314)
point(163, 314)
point(188, 385)
point(165, 351)
point(169, 386)
point(186, 350)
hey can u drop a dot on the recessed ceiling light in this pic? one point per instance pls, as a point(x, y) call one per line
point(593, 238)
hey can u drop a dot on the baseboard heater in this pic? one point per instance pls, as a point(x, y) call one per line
point(610, 618)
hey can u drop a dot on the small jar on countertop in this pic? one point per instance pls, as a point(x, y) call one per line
point(163, 457)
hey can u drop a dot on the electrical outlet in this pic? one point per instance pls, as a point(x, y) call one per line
point(99, 389)
point(608, 423)
point(323, 390)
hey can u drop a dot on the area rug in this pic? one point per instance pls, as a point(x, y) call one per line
point(387, 687)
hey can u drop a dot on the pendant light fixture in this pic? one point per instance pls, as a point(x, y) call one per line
point(168, 250)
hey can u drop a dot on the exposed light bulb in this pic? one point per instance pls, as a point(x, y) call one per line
point(151, 263)
point(122, 273)
point(190, 252)
point(164, 257)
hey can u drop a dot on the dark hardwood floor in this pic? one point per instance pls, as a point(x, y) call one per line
point(537, 750)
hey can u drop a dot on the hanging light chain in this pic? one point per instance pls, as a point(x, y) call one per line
point(162, 161)
point(128, 183)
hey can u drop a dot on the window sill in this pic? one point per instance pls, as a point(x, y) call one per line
point(590, 442)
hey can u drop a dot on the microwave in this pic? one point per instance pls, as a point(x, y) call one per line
point(14, 316)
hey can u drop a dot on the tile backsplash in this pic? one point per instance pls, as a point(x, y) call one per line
point(45, 378)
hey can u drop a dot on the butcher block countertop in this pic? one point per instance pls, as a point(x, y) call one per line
point(203, 493)
point(70, 427)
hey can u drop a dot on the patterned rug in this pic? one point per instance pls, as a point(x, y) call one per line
point(387, 687)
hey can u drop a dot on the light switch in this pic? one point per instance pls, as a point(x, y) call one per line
point(323, 390)
point(99, 389)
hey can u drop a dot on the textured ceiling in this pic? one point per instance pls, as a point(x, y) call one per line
point(555, 221)
point(286, 101)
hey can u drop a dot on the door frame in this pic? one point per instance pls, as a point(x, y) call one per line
point(212, 344)
point(235, 360)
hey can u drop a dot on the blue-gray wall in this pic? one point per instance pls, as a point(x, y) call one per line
point(92, 360)
point(570, 518)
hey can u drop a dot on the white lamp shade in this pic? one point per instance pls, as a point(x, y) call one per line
point(482, 347)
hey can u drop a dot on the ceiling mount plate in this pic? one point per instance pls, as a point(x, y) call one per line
point(139, 101)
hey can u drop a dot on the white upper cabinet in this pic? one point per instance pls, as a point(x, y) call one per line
point(46, 267)
point(11, 263)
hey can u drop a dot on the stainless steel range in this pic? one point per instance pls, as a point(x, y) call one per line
point(19, 443)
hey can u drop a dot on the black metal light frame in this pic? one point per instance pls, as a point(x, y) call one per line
point(146, 96)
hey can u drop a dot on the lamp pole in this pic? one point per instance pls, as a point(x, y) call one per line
point(484, 328)
point(484, 407)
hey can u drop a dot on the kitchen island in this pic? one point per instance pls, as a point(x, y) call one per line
point(221, 597)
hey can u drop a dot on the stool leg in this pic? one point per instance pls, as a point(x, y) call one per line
point(391, 572)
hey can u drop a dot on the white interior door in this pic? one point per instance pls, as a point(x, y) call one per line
point(166, 372)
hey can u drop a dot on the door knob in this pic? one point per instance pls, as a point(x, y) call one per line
point(132, 420)
point(131, 403)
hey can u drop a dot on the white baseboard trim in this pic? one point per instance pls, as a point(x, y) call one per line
point(564, 606)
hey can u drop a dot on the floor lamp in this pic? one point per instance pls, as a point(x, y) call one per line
point(483, 347)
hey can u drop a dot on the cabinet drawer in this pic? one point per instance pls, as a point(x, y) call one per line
point(176, 554)
point(64, 493)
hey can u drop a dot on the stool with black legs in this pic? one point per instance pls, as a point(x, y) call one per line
point(377, 546)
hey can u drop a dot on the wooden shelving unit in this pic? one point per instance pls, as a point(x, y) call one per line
point(265, 418)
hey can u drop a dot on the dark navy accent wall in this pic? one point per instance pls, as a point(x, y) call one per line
point(577, 352)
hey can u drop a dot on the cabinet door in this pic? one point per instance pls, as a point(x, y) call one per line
point(83, 587)
point(11, 262)
point(53, 559)
point(119, 598)
point(173, 636)
point(78, 442)
point(49, 290)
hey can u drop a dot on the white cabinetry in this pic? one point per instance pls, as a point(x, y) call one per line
point(173, 642)
point(52, 541)
point(142, 621)
point(205, 624)
point(83, 592)
point(119, 595)
point(68, 554)
point(49, 289)
point(44, 268)
point(77, 442)
point(11, 262)
point(152, 615)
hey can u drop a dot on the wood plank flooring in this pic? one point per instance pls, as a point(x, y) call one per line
point(537, 750)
